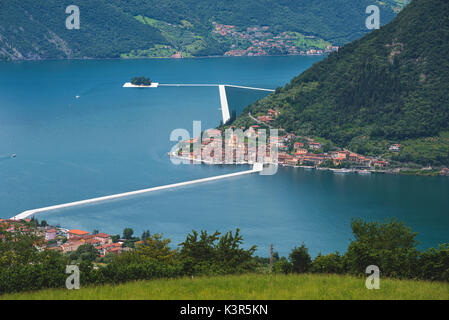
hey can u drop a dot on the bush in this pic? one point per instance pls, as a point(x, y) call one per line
point(151, 269)
point(215, 254)
point(329, 263)
point(47, 272)
point(434, 264)
point(282, 266)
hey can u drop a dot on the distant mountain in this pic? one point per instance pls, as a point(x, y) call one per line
point(32, 29)
point(391, 86)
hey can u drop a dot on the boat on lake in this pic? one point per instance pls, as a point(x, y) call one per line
point(342, 171)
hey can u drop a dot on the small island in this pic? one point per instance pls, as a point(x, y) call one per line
point(141, 81)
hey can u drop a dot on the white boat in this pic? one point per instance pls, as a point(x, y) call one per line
point(364, 172)
point(13, 155)
point(342, 170)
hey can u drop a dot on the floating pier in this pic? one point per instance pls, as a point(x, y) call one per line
point(224, 104)
point(249, 88)
point(221, 87)
point(258, 167)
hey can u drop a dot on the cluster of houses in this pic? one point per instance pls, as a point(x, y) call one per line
point(102, 242)
point(216, 150)
point(63, 240)
point(260, 42)
point(271, 115)
point(13, 226)
point(290, 151)
point(303, 156)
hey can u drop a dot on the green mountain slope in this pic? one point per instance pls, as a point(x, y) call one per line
point(36, 29)
point(390, 86)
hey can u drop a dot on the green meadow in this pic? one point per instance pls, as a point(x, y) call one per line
point(252, 286)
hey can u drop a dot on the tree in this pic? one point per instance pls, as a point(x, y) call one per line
point(282, 266)
point(18, 248)
point(34, 221)
point(85, 252)
point(204, 253)
point(156, 247)
point(434, 263)
point(300, 259)
point(141, 81)
point(25, 267)
point(329, 263)
point(145, 235)
point(389, 245)
point(128, 233)
point(231, 256)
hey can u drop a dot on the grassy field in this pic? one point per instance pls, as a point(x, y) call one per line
point(251, 287)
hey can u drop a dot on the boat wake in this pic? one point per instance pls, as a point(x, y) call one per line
point(7, 157)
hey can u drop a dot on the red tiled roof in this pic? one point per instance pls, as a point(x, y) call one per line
point(78, 232)
point(102, 235)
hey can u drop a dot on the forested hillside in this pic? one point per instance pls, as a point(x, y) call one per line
point(390, 86)
point(36, 30)
point(139, 28)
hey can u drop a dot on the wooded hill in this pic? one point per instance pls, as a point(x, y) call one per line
point(111, 28)
point(391, 86)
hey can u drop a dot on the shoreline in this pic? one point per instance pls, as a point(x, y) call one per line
point(155, 58)
point(333, 170)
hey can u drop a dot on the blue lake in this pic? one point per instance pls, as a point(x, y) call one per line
point(114, 140)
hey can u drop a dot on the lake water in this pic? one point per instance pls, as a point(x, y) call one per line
point(114, 140)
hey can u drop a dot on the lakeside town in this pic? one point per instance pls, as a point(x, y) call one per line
point(292, 151)
point(69, 241)
point(260, 41)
